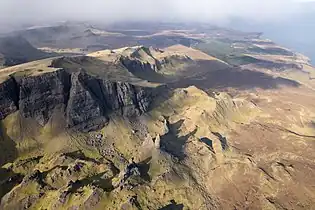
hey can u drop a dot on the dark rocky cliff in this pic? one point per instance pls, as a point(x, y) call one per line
point(86, 101)
point(8, 97)
point(135, 66)
point(40, 95)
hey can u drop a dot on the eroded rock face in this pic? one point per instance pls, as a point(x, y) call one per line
point(139, 66)
point(133, 100)
point(84, 109)
point(40, 95)
point(8, 97)
point(91, 100)
point(86, 101)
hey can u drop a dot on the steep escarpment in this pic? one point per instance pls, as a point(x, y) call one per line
point(40, 95)
point(9, 97)
point(91, 100)
point(134, 65)
point(85, 101)
point(84, 109)
point(169, 62)
point(141, 60)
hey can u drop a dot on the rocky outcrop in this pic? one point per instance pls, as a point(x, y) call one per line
point(132, 169)
point(9, 97)
point(173, 61)
point(157, 142)
point(86, 101)
point(134, 65)
point(91, 100)
point(41, 95)
point(84, 110)
point(134, 100)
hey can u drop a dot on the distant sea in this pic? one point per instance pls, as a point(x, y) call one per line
point(297, 41)
point(297, 34)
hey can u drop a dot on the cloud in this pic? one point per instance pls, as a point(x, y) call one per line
point(119, 10)
point(224, 9)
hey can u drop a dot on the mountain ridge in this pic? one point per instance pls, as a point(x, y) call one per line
point(37, 97)
point(160, 127)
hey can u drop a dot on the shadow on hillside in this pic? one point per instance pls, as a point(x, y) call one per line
point(8, 147)
point(223, 140)
point(173, 206)
point(208, 142)
point(8, 154)
point(79, 155)
point(213, 75)
point(231, 78)
point(8, 180)
point(151, 76)
point(96, 180)
point(144, 168)
point(174, 144)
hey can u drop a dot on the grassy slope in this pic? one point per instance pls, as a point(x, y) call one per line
point(191, 114)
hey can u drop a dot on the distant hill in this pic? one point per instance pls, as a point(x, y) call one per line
point(16, 50)
point(86, 38)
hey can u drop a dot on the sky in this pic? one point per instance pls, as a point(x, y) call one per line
point(28, 11)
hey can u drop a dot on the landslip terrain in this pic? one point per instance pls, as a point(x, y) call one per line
point(179, 117)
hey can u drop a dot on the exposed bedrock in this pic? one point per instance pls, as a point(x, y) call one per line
point(86, 101)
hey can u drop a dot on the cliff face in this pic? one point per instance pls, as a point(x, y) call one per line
point(138, 66)
point(85, 100)
point(8, 97)
point(84, 109)
point(40, 95)
point(147, 63)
